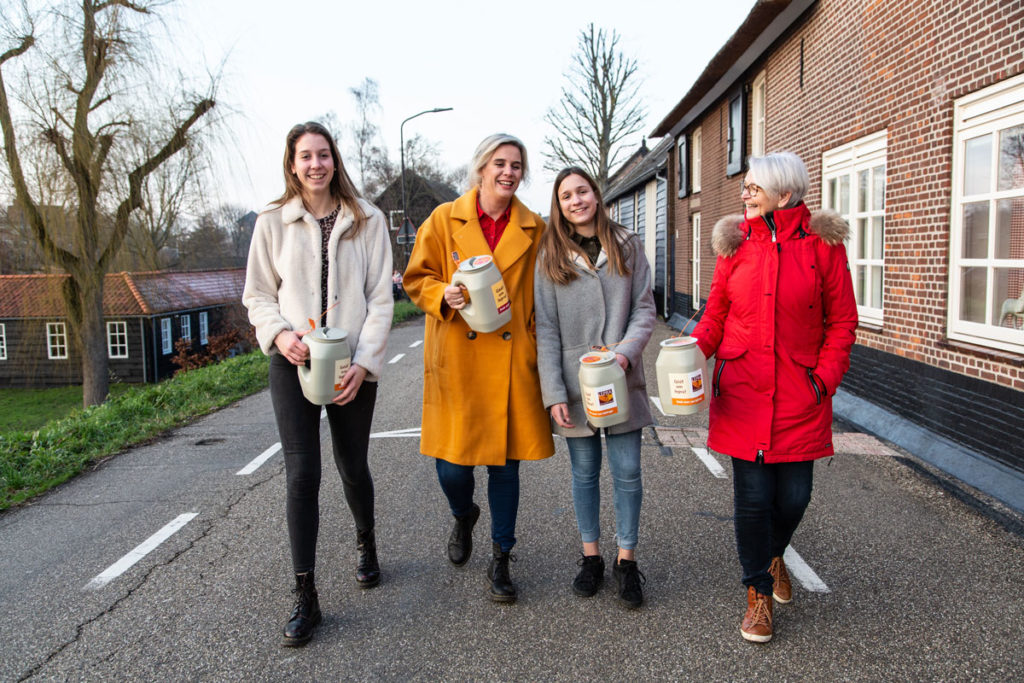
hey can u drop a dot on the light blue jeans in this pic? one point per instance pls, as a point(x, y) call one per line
point(624, 463)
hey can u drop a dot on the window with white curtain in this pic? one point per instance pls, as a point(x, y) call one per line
point(853, 183)
point(986, 273)
point(758, 115)
point(696, 139)
point(166, 343)
point(204, 326)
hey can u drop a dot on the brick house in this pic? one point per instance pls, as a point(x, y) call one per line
point(910, 118)
point(145, 313)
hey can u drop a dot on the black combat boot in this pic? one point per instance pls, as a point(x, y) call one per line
point(367, 569)
point(502, 588)
point(306, 614)
point(460, 543)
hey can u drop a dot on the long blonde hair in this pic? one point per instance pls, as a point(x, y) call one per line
point(341, 186)
point(557, 248)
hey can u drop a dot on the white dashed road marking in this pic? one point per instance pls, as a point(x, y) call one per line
point(412, 432)
point(125, 563)
point(799, 570)
point(657, 403)
point(260, 459)
point(415, 343)
point(396, 359)
point(709, 462)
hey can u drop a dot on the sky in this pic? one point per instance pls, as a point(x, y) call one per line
point(500, 67)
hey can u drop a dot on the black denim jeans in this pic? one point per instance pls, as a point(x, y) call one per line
point(768, 503)
point(298, 424)
point(458, 482)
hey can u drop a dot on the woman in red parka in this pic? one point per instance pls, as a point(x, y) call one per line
point(781, 318)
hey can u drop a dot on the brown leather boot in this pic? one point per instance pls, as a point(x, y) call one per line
point(757, 622)
point(782, 588)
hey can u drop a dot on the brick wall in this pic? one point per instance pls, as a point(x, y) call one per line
point(869, 65)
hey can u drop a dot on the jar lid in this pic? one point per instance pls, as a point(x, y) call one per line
point(593, 358)
point(475, 263)
point(327, 334)
point(678, 342)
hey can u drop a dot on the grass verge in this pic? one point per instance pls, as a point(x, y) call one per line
point(34, 461)
point(404, 310)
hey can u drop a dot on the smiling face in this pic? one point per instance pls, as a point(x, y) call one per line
point(500, 176)
point(756, 200)
point(313, 164)
point(578, 202)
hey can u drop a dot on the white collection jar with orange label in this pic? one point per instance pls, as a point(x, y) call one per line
point(488, 306)
point(680, 368)
point(329, 360)
point(603, 386)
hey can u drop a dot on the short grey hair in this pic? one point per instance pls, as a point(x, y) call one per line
point(485, 150)
point(779, 173)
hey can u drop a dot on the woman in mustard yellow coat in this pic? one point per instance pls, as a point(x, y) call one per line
point(481, 392)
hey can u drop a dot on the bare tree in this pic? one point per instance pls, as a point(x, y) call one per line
point(365, 133)
point(598, 110)
point(85, 102)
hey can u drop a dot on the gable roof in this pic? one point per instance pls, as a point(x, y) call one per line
point(641, 172)
point(124, 294)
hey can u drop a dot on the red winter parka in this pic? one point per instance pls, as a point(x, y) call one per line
point(781, 317)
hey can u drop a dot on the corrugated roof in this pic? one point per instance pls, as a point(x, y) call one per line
point(124, 294)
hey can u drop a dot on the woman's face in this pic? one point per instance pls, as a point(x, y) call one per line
point(577, 200)
point(313, 164)
point(500, 176)
point(756, 200)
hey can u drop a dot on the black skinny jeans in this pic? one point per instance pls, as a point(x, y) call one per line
point(298, 424)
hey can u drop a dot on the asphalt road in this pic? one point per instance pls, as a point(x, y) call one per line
point(903, 579)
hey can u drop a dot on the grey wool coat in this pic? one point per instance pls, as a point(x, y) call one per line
point(598, 308)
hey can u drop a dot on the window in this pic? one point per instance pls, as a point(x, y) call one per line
point(204, 326)
point(117, 339)
point(986, 274)
point(165, 335)
point(696, 261)
point(3, 341)
point(186, 327)
point(853, 183)
point(683, 159)
point(734, 145)
point(695, 154)
point(758, 116)
point(56, 341)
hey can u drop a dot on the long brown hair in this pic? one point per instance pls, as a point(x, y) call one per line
point(557, 247)
point(341, 186)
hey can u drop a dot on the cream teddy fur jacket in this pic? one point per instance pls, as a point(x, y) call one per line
point(282, 280)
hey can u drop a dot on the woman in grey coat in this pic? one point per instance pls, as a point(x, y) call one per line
point(592, 288)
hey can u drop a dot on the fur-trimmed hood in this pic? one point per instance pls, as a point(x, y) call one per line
point(729, 233)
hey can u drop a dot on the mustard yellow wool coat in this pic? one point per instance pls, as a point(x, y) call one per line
point(481, 392)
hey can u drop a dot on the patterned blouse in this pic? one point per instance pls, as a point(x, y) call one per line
point(326, 226)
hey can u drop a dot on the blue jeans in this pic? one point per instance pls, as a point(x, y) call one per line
point(457, 482)
point(628, 488)
point(768, 502)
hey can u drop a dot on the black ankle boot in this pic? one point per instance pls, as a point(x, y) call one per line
point(367, 569)
point(306, 613)
point(460, 543)
point(502, 588)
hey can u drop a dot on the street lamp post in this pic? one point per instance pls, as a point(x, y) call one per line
point(401, 143)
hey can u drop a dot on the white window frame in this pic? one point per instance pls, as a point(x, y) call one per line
point(848, 162)
point(985, 112)
point(204, 327)
point(166, 343)
point(696, 140)
point(759, 115)
point(186, 326)
point(3, 341)
point(117, 339)
point(695, 261)
point(56, 341)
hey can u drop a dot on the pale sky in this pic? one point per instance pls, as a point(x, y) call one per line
point(499, 66)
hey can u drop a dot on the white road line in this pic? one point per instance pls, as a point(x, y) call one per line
point(657, 403)
point(125, 563)
point(412, 432)
point(260, 459)
point(396, 358)
point(799, 570)
point(415, 343)
point(709, 462)
point(323, 413)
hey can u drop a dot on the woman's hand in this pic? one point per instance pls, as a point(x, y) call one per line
point(455, 297)
point(291, 346)
point(623, 361)
point(350, 384)
point(560, 414)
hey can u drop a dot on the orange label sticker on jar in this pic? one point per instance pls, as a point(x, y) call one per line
point(340, 368)
point(687, 387)
point(500, 296)
point(600, 401)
